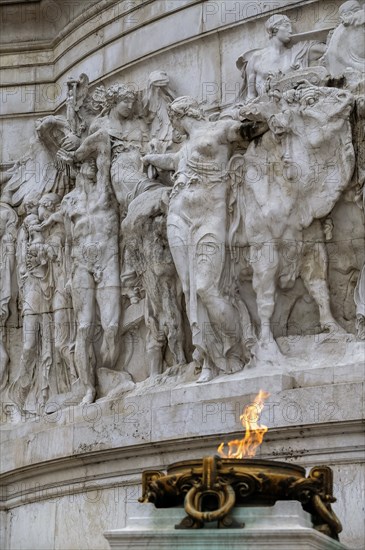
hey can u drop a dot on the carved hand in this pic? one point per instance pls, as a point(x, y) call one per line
point(37, 227)
point(44, 224)
point(249, 110)
point(148, 159)
point(71, 142)
point(31, 261)
point(66, 156)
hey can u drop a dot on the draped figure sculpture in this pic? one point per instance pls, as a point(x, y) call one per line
point(8, 223)
point(53, 230)
point(126, 136)
point(197, 229)
point(147, 263)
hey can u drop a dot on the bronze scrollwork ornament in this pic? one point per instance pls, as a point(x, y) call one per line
point(209, 489)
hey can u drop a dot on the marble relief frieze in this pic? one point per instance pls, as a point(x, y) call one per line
point(148, 240)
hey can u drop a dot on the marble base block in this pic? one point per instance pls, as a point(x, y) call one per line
point(285, 526)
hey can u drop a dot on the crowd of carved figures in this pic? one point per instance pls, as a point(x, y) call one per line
point(205, 219)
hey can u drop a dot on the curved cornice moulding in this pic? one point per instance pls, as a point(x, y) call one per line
point(111, 468)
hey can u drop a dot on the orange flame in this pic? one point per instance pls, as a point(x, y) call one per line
point(246, 447)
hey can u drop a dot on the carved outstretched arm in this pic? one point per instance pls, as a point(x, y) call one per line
point(56, 217)
point(250, 130)
point(92, 146)
point(245, 132)
point(166, 161)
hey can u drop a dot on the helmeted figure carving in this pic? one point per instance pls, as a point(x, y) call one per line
point(288, 188)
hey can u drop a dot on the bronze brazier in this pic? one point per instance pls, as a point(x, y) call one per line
point(209, 489)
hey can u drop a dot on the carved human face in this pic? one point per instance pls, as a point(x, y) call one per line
point(88, 169)
point(284, 32)
point(124, 107)
point(30, 220)
point(31, 206)
point(178, 122)
point(46, 209)
point(347, 12)
point(32, 256)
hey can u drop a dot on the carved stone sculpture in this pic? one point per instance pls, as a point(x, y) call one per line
point(36, 293)
point(122, 135)
point(279, 58)
point(39, 171)
point(91, 222)
point(147, 262)
point(77, 92)
point(126, 136)
point(53, 230)
point(8, 223)
point(287, 188)
point(134, 127)
point(346, 47)
point(196, 227)
point(360, 295)
point(155, 107)
point(123, 211)
point(360, 305)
